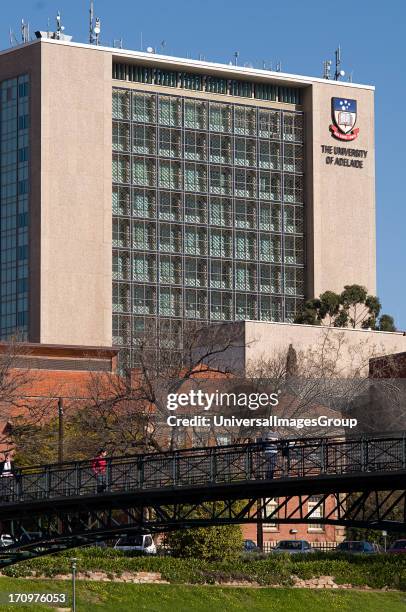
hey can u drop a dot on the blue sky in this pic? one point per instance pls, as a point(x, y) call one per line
point(298, 33)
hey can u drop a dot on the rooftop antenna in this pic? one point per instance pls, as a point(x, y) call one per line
point(59, 27)
point(25, 31)
point(91, 19)
point(94, 26)
point(338, 73)
point(13, 38)
point(327, 69)
point(236, 56)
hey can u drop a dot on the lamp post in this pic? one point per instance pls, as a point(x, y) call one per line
point(384, 535)
point(60, 430)
point(73, 562)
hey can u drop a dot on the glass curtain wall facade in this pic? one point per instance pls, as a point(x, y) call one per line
point(208, 213)
point(14, 179)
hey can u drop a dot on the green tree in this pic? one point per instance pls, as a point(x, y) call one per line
point(210, 543)
point(353, 307)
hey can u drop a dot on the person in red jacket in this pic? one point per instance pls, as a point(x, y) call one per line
point(99, 467)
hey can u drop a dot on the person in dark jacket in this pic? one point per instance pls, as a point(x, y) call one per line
point(7, 474)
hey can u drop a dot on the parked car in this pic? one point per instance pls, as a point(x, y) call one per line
point(6, 540)
point(142, 543)
point(249, 546)
point(293, 547)
point(358, 547)
point(399, 546)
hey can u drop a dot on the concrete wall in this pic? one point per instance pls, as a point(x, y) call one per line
point(76, 294)
point(351, 349)
point(340, 200)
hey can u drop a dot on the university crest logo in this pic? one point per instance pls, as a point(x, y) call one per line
point(344, 115)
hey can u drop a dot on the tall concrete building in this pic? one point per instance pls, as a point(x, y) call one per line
point(139, 191)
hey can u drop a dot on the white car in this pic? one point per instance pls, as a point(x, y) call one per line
point(142, 543)
point(6, 540)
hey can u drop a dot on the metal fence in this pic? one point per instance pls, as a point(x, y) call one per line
point(207, 466)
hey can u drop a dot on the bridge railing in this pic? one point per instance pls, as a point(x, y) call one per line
point(207, 466)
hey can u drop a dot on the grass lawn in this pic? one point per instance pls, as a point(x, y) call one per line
point(120, 597)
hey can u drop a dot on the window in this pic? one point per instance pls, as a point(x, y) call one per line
point(220, 243)
point(269, 124)
point(144, 300)
point(245, 306)
point(220, 118)
point(121, 233)
point(269, 186)
point(121, 136)
point(144, 236)
point(220, 211)
point(245, 183)
point(292, 127)
point(245, 214)
point(270, 308)
point(294, 250)
point(144, 268)
point(121, 297)
point(144, 171)
point(169, 111)
point(121, 168)
point(294, 281)
point(144, 107)
point(195, 240)
point(270, 279)
point(245, 121)
point(221, 275)
point(270, 217)
point(121, 265)
point(169, 143)
point(220, 306)
point(170, 270)
point(293, 188)
point(315, 507)
point(245, 277)
point(195, 177)
point(245, 245)
point(293, 158)
point(170, 302)
point(271, 506)
point(195, 209)
point(170, 238)
point(269, 155)
point(270, 248)
point(144, 203)
point(293, 219)
point(195, 304)
point(244, 152)
point(220, 180)
point(121, 200)
point(169, 175)
point(220, 149)
point(144, 140)
point(170, 205)
point(121, 104)
point(195, 146)
point(195, 115)
point(195, 272)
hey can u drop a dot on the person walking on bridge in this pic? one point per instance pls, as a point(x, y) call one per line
point(270, 447)
point(7, 475)
point(99, 468)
